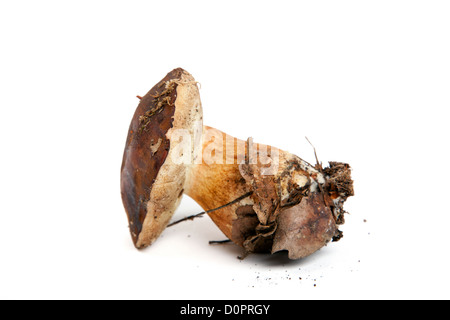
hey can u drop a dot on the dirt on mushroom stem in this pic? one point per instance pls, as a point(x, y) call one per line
point(306, 222)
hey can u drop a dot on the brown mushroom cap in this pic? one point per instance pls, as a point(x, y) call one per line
point(151, 184)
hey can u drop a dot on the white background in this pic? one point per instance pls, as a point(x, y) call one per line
point(366, 81)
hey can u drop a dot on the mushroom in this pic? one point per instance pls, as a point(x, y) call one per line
point(262, 198)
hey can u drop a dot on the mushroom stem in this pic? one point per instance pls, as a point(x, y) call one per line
point(277, 180)
point(199, 215)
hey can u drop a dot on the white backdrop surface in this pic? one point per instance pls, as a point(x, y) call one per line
point(366, 81)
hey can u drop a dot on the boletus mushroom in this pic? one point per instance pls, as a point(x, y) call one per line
point(262, 198)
